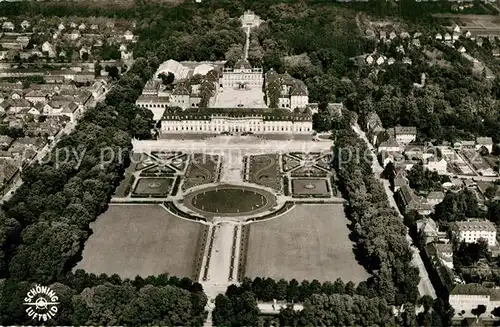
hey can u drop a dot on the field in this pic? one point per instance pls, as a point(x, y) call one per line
point(309, 242)
point(144, 240)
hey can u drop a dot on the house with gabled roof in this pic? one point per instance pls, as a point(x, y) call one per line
point(8, 26)
point(390, 145)
point(25, 25)
point(486, 142)
point(74, 35)
point(128, 35)
point(408, 201)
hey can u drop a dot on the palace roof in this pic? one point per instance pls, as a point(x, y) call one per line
point(175, 113)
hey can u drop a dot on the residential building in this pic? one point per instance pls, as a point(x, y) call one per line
point(429, 229)
point(472, 231)
point(128, 35)
point(468, 296)
point(437, 164)
point(25, 25)
point(74, 35)
point(486, 142)
point(434, 198)
point(400, 179)
point(8, 26)
point(403, 134)
point(421, 152)
point(291, 92)
point(409, 201)
point(35, 96)
point(443, 252)
point(390, 145)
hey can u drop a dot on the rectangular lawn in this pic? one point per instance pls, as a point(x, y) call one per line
point(144, 240)
point(309, 242)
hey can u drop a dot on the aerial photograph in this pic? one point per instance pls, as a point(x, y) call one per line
point(261, 163)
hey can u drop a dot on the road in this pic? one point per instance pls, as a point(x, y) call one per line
point(232, 145)
point(70, 126)
point(425, 286)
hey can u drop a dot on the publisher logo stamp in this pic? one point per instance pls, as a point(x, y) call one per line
point(41, 302)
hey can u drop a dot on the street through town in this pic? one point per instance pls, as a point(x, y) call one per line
point(425, 286)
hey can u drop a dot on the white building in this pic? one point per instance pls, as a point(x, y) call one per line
point(403, 134)
point(129, 36)
point(242, 75)
point(25, 25)
point(291, 92)
point(472, 231)
point(437, 165)
point(250, 19)
point(468, 296)
point(486, 142)
point(235, 120)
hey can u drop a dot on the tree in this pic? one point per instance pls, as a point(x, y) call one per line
point(321, 122)
point(113, 71)
point(468, 254)
point(494, 211)
point(97, 69)
point(496, 312)
point(233, 54)
point(167, 79)
point(426, 301)
point(389, 173)
point(479, 310)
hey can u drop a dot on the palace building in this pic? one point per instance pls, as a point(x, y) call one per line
point(235, 120)
point(242, 75)
point(206, 98)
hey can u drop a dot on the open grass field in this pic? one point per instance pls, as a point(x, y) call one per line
point(309, 242)
point(144, 240)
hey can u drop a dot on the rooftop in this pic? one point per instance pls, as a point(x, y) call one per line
point(470, 289)
point(174, 113)
point(482, 225)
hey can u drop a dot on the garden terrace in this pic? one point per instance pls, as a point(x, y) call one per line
point(202, 169)
point(310, 188)
point(155, 187)
point(229, 201)
point(264, 170)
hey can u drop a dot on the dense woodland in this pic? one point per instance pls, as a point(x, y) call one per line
point(45, 225)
